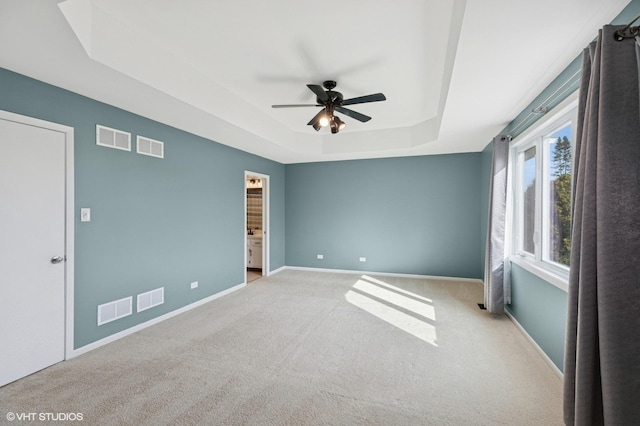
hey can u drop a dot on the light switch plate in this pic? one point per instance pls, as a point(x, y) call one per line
point(85, 215)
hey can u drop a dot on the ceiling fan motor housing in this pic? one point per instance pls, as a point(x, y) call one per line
point(334, 98)
point(329, 84)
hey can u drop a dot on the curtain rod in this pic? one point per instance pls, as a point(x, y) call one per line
point(620, 34)
point(569, 85)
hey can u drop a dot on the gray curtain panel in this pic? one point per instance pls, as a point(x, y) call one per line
point(497, 288)
point(602, 353)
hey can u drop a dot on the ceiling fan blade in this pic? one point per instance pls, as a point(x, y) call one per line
point(319, 91)
point(353, 114)
point(376, 97)
point(295, 105)
point(316, 117)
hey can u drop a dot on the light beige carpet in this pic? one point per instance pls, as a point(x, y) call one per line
point(305, 347)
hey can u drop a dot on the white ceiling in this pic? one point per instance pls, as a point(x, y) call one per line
point(454, 72)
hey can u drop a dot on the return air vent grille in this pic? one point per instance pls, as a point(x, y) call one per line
point(150, 147)
point(150, 299)
point(112, 138)
point(112, 311)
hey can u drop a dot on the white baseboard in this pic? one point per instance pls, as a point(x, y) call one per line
point(535, 345)
point(384, 274)
point(275, 271)
point(153, 321)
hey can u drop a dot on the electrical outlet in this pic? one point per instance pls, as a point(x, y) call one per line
point(363, 259)
point(194, 285)
point(320, 256)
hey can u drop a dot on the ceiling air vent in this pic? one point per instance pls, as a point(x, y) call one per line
point(150, 147)
point(112, 138)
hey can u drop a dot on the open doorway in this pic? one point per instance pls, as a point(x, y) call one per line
point(256, 189)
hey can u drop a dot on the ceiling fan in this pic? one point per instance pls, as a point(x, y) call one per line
point(332, 101)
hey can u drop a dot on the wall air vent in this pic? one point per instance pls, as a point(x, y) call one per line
point(112, 138)
point(112, 311)
point(150, 147)
point(150, 299)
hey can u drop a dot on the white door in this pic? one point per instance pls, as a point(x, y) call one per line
point(32, 236)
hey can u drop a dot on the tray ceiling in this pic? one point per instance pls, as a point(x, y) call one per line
point(454, 73)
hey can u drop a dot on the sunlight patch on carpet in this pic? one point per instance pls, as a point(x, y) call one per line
point(392, 307)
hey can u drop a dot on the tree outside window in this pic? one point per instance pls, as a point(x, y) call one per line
point(560, 196)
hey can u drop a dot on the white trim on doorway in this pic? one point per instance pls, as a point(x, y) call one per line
point(266, 195)
point(69, 215)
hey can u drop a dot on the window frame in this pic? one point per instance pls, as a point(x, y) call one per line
point(537, 136)
point(518, 152)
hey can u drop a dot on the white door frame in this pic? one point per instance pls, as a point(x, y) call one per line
point(266, 195)
point(69, 216)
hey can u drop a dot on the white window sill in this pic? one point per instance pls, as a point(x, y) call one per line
point(559, 280)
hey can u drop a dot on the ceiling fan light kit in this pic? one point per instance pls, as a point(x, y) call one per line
point(324, 121)
point(332, 101)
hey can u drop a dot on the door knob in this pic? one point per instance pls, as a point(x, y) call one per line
point(57, 259)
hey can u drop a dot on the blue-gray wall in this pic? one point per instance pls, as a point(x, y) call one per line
point(413, 215)
point(540, 307)
point(154, 222)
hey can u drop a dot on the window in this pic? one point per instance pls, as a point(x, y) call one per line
point(558, 197)
point(541, 196)
point(528, 194)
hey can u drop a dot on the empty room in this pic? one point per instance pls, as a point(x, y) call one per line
point(354, 213)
